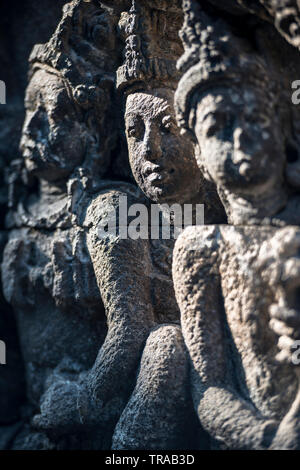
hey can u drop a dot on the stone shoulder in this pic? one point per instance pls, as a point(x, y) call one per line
point(107, 199)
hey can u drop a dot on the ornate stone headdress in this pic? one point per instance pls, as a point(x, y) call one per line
point(77, 54)
point(214, 56)
point(82, 53)
point(284, 14)
point(152, 44)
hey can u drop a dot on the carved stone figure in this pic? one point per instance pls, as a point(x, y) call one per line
point(48, 275)
point(237, 285)
point(163, 167)
point(237, 288)
point(161, 161)
point(117, 353)
point(236, 101)
point(29, 17)
point(61, 276)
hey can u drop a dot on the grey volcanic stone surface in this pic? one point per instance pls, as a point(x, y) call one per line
point(234, 302)
point(149, 342)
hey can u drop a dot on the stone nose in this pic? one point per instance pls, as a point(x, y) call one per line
point(242, 139)
point(152, 145)
point(32, 123)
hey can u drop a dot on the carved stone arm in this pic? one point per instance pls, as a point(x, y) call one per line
point(223, 413)
point(122, 268)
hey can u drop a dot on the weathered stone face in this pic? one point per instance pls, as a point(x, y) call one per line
point(162, 161)
point(236, 103)
point(129, 342)
point(237, 136)
point(53, 140)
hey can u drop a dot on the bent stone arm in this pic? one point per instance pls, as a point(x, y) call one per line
point(122, 269)
point(224, 414)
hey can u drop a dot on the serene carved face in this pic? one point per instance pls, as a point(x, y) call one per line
point(238, 139)
point(162, 161)
point(53, 140)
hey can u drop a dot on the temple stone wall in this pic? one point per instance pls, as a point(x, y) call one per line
point(121, 330)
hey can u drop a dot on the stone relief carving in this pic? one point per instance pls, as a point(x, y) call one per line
point(237, 285)
point(14, 52)
point(132, 343)
point(66, 146)
point(58, 262)
point(236, 103)
point(241, 390)
point(163, 167)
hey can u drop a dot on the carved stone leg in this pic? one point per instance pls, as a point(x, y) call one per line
point(159, 414)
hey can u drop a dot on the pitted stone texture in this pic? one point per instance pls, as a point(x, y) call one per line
point(229, 283)
point(47, 270)
point(234, 99)
point(86, 303)
point(160, 406)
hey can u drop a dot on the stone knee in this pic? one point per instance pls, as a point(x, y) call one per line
point(159, 414)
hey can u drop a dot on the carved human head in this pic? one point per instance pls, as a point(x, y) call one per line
point(162, 160)
point(228, 102)
point(69, 95)
point(238, 136)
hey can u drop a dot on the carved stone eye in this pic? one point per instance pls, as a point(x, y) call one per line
point(167, 125)
point(131, 132)
point(210, 126)
point(136, 131)
point(81, 95)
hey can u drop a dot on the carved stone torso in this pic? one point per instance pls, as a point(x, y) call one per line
point(161, 251)
point(52, 286)
point(49, 278)
point(268, 384)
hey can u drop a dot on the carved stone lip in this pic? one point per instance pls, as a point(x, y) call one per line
point(32, 153)
point(160, 178)
point(157, 173)
point(150, 169)
point(156, 178)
